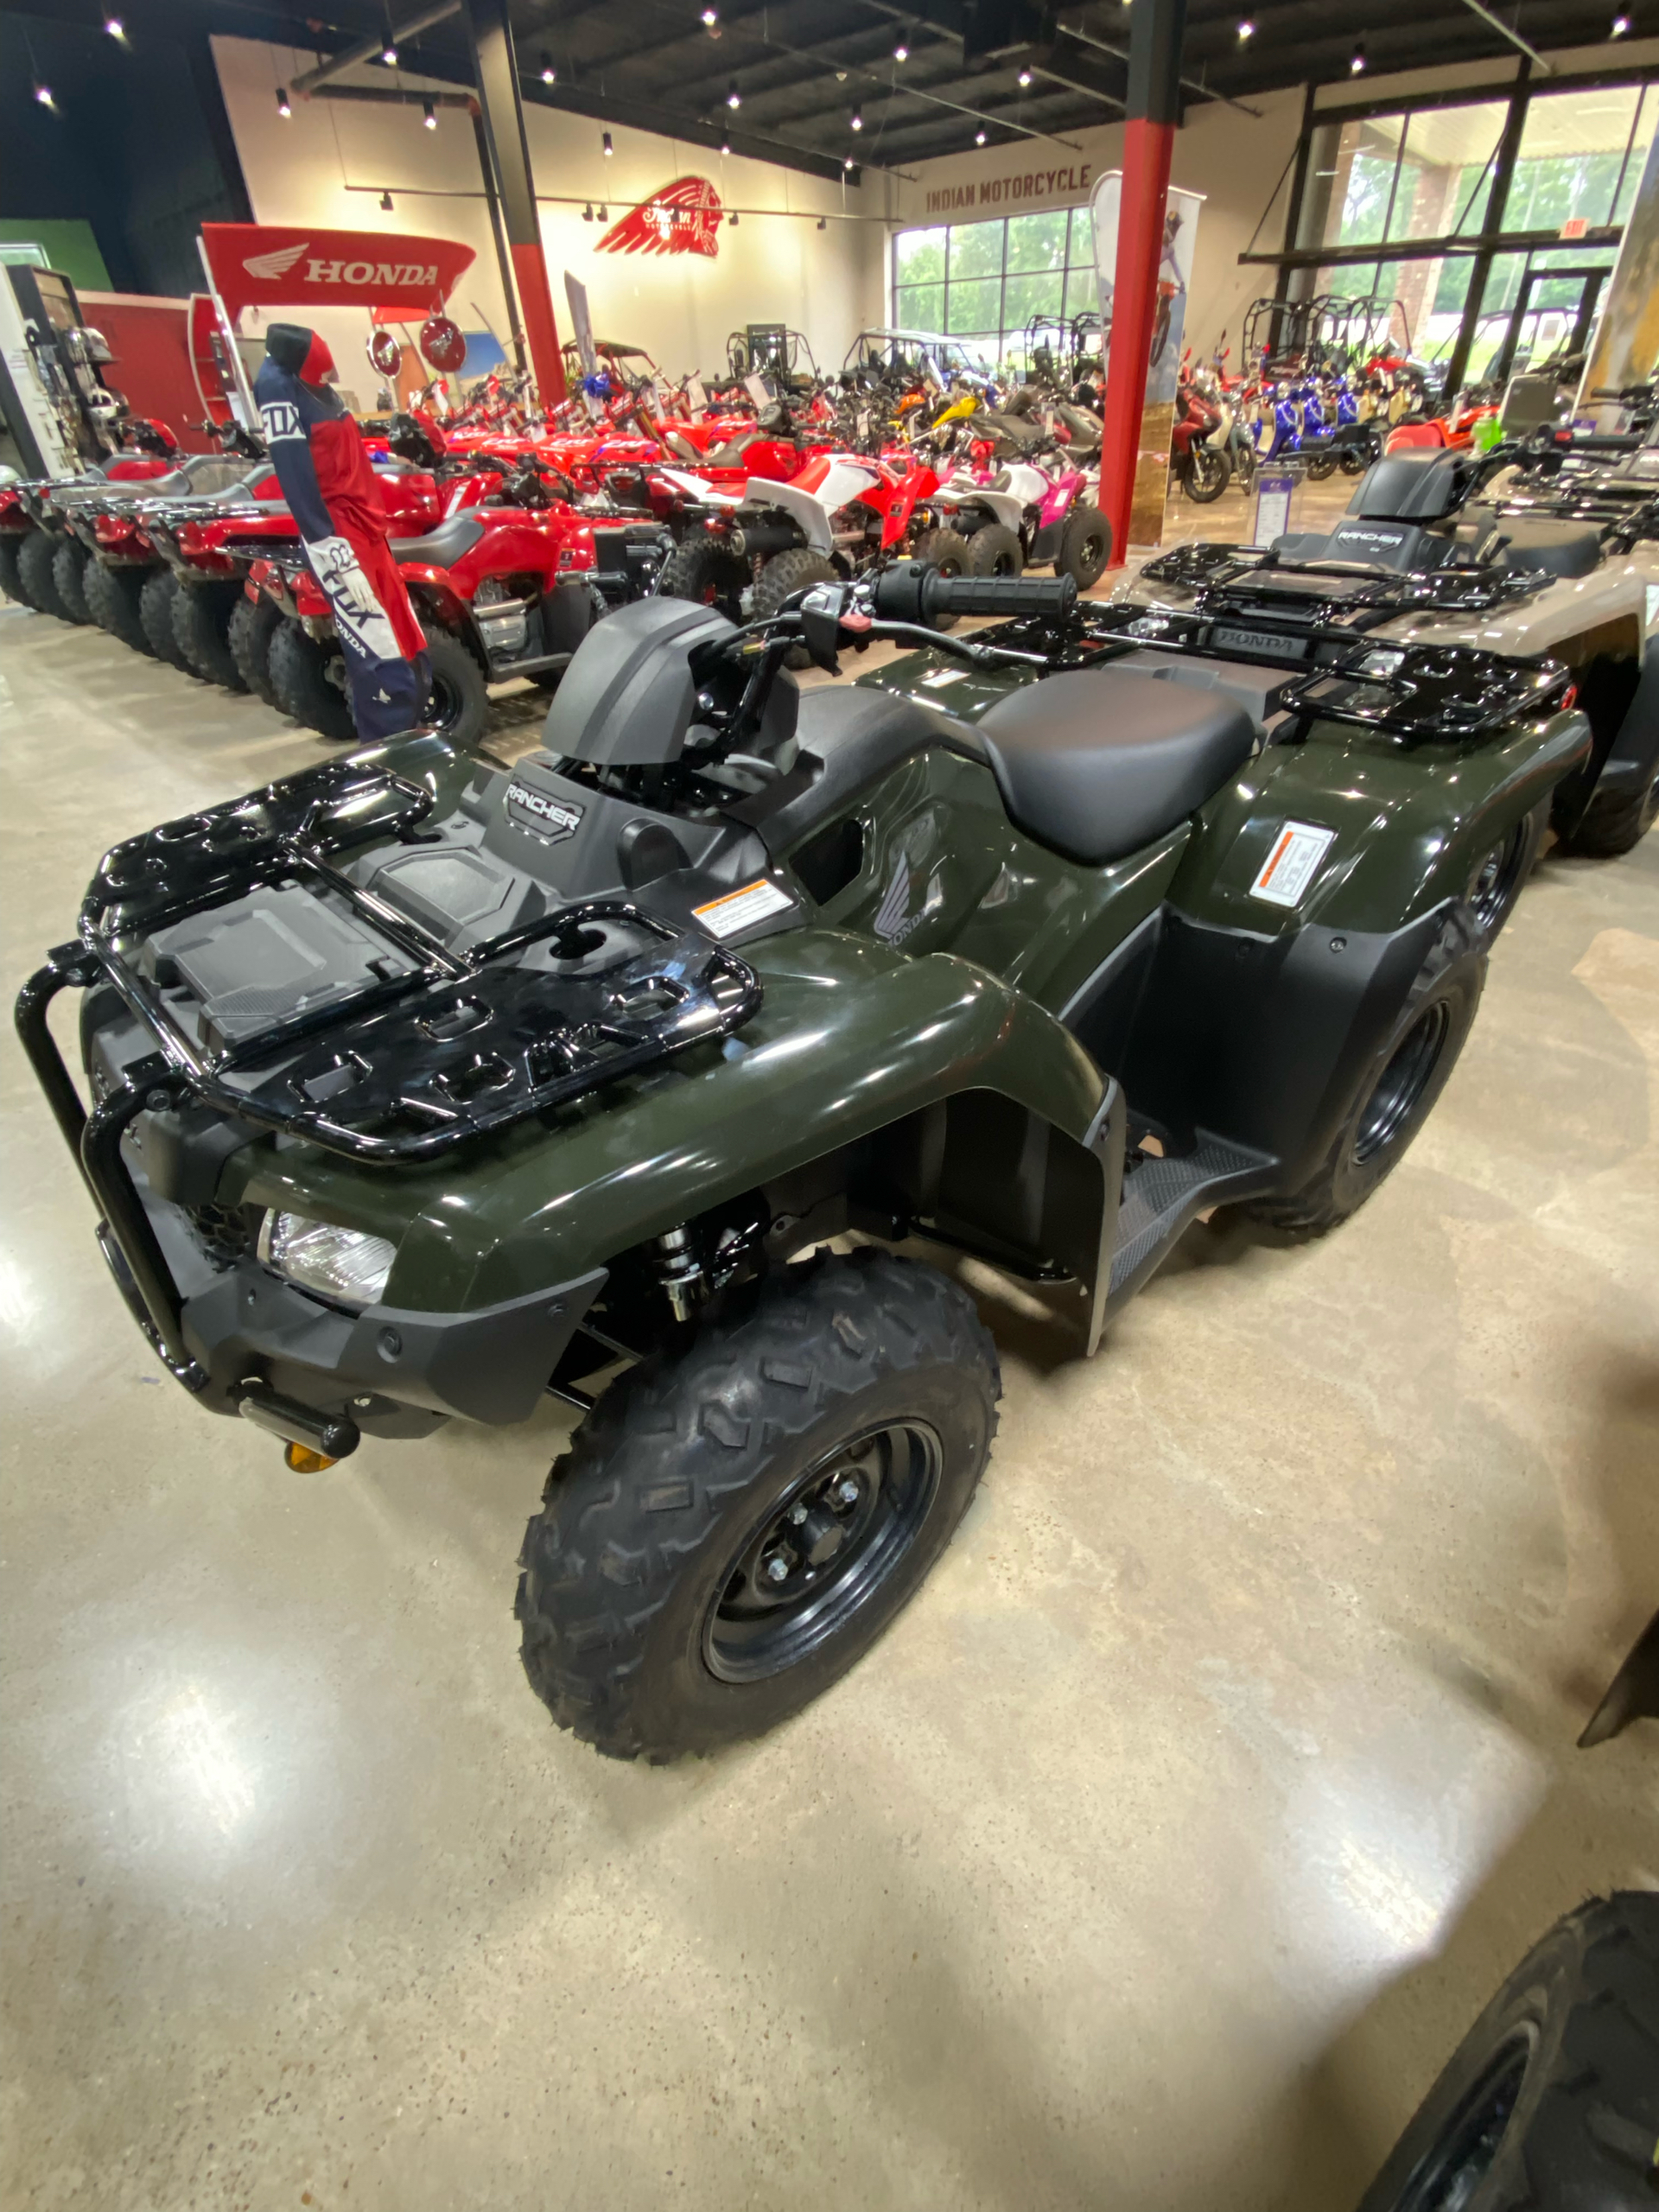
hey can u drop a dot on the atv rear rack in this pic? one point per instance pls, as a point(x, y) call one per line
point(1415, 692)
point(1325, 594)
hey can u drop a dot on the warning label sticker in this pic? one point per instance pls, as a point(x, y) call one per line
point(740, 910)
point(1291, 863)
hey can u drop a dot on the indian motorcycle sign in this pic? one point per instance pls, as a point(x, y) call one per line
point(1023, 188)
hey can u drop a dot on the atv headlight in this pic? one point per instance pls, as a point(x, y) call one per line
point(343, 1264)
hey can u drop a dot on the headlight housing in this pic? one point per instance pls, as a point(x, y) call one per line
point(346, 1265)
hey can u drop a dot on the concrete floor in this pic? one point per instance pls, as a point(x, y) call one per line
point(1155, 1860)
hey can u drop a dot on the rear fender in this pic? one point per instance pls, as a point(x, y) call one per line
point(925, 1083)
point(1410, 825)
point(433, 593)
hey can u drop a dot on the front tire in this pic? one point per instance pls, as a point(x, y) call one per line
point(1612, 825)
point(1396, 1091)
point(201, 614)
point(69, 576)
point(112, 596)
point(303, 687)
point(11, 545)
point(738, 1520)
point(156, 613)
point(36, 560)
point(1208, 475)
point(1085, 546)
point(1551, 2099)
point(252, 625)
point(459, 706)
point(705, 569)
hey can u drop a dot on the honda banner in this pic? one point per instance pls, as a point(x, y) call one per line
point(280, 265)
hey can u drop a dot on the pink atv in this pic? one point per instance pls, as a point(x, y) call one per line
point(1023, 516)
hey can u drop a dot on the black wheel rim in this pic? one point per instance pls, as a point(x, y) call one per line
point(445, 705)
point(1399, 1090)
point(1494, 879)
point(837, 1536)
point(1446, 2178)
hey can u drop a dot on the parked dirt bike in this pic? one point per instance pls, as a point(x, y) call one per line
point(1008, 981)
point(501, 591)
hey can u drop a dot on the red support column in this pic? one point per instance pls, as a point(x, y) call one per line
point(1156, 30)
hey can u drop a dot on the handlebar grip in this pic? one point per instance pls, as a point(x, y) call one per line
point(915, 591)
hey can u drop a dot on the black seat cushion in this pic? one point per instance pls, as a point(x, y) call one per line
point(1098, 762)
point(1549, 548)
point(443, 546)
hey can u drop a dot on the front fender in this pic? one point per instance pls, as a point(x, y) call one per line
point(850, 1039)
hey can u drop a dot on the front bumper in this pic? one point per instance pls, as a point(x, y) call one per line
point(227, 1330)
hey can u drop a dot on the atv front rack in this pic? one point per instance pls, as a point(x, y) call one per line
point(1415, 692)
point(1243, 580)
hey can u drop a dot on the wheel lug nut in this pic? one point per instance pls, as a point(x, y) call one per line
point(848, 1492)
point(798, 1514)
point(777, 1570)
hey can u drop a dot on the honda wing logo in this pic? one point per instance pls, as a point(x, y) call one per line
point(266, 266)
point(893, 920)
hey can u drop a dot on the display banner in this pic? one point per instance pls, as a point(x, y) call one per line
point(582, 323)
point(1168, 336)
point(1625, 350)
point(279, 265)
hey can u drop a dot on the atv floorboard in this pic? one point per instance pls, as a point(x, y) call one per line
point(1162, 1195)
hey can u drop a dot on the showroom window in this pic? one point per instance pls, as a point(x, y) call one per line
point(989, 282)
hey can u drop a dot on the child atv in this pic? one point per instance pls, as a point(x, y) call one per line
point(1427, 554)
point(419, 1088)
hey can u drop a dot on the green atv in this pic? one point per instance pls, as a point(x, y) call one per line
point(421, 1088)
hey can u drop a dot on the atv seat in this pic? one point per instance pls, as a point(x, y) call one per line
point(1098, 762)
point(443, 546)
point(1549, 548)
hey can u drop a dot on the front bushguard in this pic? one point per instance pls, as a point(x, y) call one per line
point(852, 1041)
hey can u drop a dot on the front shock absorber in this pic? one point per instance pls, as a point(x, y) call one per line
point(680, 1272)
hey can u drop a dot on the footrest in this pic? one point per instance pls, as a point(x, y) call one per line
point(1161, 1196)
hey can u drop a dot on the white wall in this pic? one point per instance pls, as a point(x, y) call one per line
point(777, 266)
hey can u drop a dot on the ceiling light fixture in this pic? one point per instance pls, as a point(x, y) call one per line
point(386, 201)
point(1025, 77)
point(588, 212)
point(282, 107)
point(733, 219)
point(606, 146)
point(901, 52)
point(710, 18)
point(549, 74)
point(1621, 24)
point(847, 161)
point(1246, 31)
point(1357, 61)
point(725, 145)
point(44, 93)
point(604, 212)
point(824, 222)
point(428, 115)
point(856, 120)
point(979, 137)
point(115, 27)
point(388, 55)
point(733, 99)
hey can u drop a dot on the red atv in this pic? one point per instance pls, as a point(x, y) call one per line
point(34, 537)
point(505, 589)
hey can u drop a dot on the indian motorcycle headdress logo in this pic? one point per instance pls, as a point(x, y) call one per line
point(683, 218)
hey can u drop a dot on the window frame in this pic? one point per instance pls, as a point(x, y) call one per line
point(1001, 339)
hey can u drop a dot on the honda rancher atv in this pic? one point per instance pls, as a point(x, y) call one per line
point(1420, 556)
point(419, 1088)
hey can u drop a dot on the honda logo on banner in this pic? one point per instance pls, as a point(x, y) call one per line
point(263, 264)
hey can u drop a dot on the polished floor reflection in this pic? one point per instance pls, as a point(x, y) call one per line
point(1154, 1861)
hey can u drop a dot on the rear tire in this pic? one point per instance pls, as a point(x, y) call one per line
point(458, 704)
point(784, 575)
point(69, 576)
point(304, 690)
point(155, 612)
point(1551, 2099)
point(10, 540)
point(1085, 546)
point(1613, 825)
point(36, 559)
point(1396, 1094)
point(651, 1626)
point(704, 570)
point(201, 614)
point(1501, 875)
point(994, 550)
point(252, 625)
point(112, 596)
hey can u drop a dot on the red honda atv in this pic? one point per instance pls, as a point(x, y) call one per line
point(34, 538)
point(501, 590)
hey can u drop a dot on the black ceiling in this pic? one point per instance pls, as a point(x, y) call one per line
point(802, 68)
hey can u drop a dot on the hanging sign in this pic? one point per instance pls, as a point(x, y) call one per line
point(581, 322)
point(1169, 325)
point(282, 265)
point(683, 218)
point(1626, 349)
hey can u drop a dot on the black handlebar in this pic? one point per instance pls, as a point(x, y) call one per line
point(915, 591)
